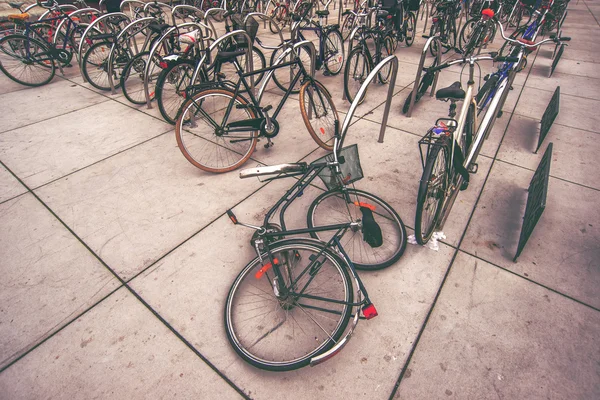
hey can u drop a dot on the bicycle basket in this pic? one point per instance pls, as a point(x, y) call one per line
point(350, 168)
point(251, 27)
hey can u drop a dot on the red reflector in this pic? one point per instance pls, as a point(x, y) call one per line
point(163, 64)
point(435, 19)
point(265, 268)
point(369, 311)
point(322, 131)
point(366, 205)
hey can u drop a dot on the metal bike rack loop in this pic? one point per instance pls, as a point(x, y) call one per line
point(75, 14)
point(346, 124)
point(413, 94)
point(100, 25)
point(198, 25)
point(192, 12)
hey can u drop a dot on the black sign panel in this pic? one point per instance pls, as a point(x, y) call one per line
point(536, 199)
point(549, 116)
point(561, 49)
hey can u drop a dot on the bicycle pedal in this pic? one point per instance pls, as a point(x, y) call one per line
point(473, 168)
point(267, 108)
point(369, 311)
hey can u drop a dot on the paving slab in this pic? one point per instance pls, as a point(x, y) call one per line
point(569, 84)
point(58, 146)
point(493, 334)
point(569, 267)
point(189, 287)
point(48, 276)
point(57, 98)
point(574, 152)
point(118, 350)
point(9, 185)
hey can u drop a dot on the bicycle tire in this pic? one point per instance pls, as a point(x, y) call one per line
point(432, 186)
point(210, 149)
point(332, 207)
point(347, 26)
point(467, 32)
point(133, 76)
point(170, 88)
point(316, 103)
point(13, 58)
point(278, 333)
point(95, 66)
point(278, 15)
point(358, 67)
point(426, 81)
point(387, 49)
point(410, 29)
point(283, 76)
point(432, 32)
point(334, 52)
point(227, 72)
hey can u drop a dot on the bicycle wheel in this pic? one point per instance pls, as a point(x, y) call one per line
point(278, 15)
point(334, 52)
point(132, 78)
point(449, 39)
point(283, 331)
point(425, 83)
point(410, 29)
point(466, 33)
point(95, 66)
point(319, 113)
point(434, 30)
point(347, 26)
point(26, 60)
point(335, 207)
point(432, 189)
point(387, 49)
point(170, 88)
point(202, 131)
point(284, 76)
point(357, 69)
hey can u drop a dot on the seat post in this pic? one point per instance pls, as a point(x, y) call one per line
point(452, 111)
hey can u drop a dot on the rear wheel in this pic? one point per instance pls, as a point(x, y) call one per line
point(268, 321)
point(204, 136)
point(95, 66)
point(432, 190)
point(170, 88)
point(133, 76)
point(284, 76)
point(387, 49)
point(410, 29)
point(26, 60)
point(334, 52)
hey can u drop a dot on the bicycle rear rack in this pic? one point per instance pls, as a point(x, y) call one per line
point(436, 136)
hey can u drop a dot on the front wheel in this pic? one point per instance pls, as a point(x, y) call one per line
point(133, 77)
point(269, 321)
point(319, 113)
point(343, 206)
point(205, 137)
point(357, 69)
point(432, 191)
point(410, 29)
point(334, 52)
point(26, 60)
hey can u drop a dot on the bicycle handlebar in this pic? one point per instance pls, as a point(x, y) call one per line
point(517, 42)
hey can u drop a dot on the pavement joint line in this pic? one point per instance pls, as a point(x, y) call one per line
point(457, 249)
point(99, 161)
point(588, 7)
point(530, 280)
point(552, 176)
point(556, 123)
point(124, 284)
point(49, 118)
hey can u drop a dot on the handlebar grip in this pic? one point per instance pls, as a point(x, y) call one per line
point(439, 67)
point(507, 59)
point(564, 39)
point(232, 217)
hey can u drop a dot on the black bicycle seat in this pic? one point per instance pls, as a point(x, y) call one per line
point(16, 5)
point(382, 14)
point(322, 13)
point(158, 28)
point(452, 92)
point(224, 56)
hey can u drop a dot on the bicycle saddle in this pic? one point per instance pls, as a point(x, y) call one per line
point(158, 28)
point(322, 13)
point(452, 92)
point(20, 17)
point(16, 5)
point(224, 56)
point(382, 14)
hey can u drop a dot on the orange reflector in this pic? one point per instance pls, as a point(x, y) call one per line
point(265, 268)
point(322, 131)
point(369, 311)
point(163, 64)
point(152, 94)
point(366, 205)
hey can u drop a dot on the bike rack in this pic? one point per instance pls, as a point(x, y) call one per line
point(420, 71)
point(232, 34)
point(310, 46)
point(133, 4)
point(159, 7)
point(168, 33)
point(209, 17)
point(121, 19)
point(346, 124)
point(191, 12)
point(76, 14)
point(265, 17)
point(128, 34)
point(63, 7)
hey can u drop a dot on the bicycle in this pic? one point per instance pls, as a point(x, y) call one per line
point(292, 304)
point(477, 32)
point(218, 128)
point(330, 55)
point(360, 61)
point(32, 62)
point(444, 25)
point(452, 146)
